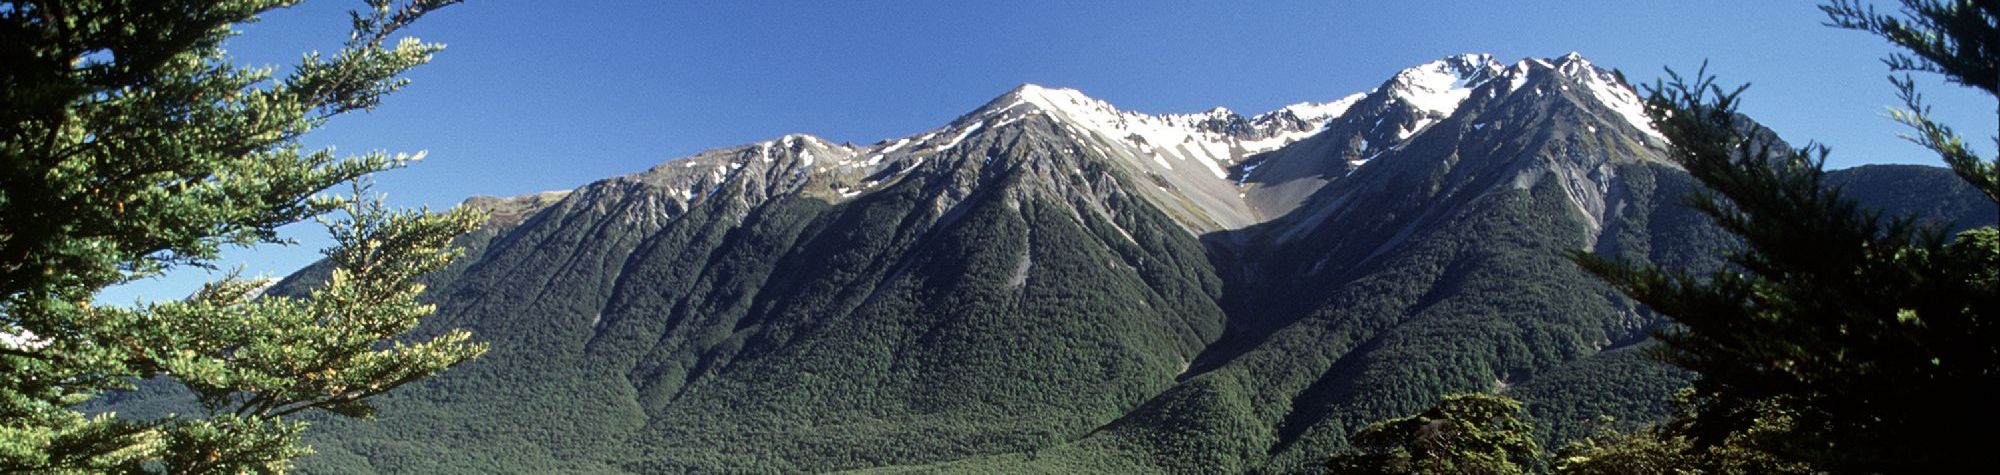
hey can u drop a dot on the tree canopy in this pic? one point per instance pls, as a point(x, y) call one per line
point(1465, 433)
point(1874, 336)
point(131, 144)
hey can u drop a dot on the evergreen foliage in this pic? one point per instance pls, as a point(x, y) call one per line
point(1874, 337)
point(1464, 434)
point(1665, 449)
point(130, 145)
point(1482, 434)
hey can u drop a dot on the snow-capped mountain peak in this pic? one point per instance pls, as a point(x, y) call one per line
point(1218, 137)
point(1441, 85)
point(1316, 111)
point(1049, 99)
point(1609, 88)
point(1204, 161)
point(1572, 64)
point(1187, 156)
point(1435, 89)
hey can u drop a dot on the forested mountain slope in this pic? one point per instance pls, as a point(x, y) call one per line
point(1049, 283)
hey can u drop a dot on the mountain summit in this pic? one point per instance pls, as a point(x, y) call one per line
point(1050, 284)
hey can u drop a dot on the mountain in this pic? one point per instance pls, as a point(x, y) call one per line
point(1051, 284)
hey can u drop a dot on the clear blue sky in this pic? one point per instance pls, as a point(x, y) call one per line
point(534, 96)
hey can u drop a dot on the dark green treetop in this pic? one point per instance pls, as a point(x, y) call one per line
point(1463, 434)
point(1876, 336)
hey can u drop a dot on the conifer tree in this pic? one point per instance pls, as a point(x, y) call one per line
point(130, 144)
point(1875, 337)
point(1463, 434)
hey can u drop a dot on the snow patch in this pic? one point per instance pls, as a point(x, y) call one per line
point(1607, 89)
point(1009, 120)
point(1405, 134)
point(1184, 136)
point(961, 136)
point(1327, 110)
point(1440, 86)
point(1247, 170)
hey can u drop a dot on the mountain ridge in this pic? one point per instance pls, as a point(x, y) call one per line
point(1050, 284)
point(1227, 145)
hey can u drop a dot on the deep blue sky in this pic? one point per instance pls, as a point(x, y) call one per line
point(534, 96)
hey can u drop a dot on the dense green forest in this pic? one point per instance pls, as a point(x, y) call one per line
point(1002, 316)
point(1020, 293)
